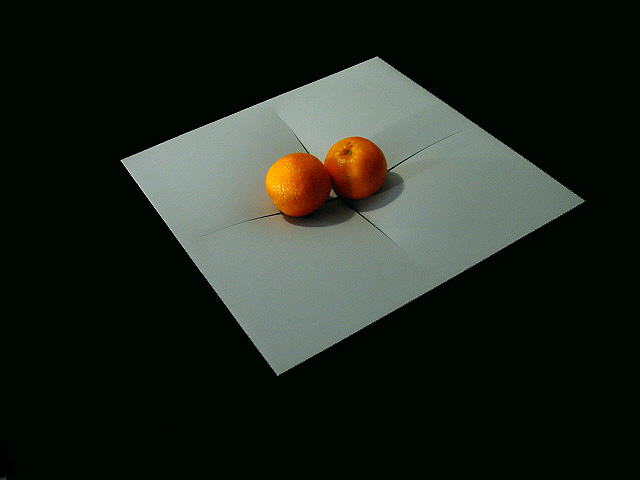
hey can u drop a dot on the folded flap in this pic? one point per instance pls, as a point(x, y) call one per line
point(420, 130)
point(297, 286)
point(361, 101)
point(462, 200)
point(213, 176)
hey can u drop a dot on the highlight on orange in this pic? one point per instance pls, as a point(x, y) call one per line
point(357, 167)
point(298, 184)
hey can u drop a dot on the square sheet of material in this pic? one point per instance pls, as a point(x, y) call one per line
point(453, 196)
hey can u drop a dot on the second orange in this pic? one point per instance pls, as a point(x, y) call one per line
point(357, 167)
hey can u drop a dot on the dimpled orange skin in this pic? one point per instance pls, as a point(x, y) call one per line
point(298, 184)
point(357, 167)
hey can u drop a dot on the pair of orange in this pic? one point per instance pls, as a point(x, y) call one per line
point(300, 183)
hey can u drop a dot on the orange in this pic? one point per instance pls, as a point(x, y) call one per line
point(298, 184)
point(357, 167)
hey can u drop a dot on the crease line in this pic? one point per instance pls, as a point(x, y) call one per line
point(329, 200)
point(423, 148)
point(294, 133)
point(239, 223)
point(371, 223)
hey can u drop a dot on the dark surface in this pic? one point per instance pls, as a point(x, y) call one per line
point(132, 364)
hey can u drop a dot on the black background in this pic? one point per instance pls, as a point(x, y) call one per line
point(127, 361)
